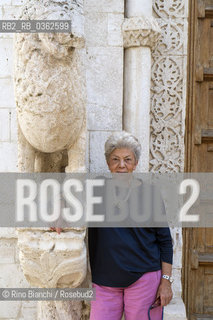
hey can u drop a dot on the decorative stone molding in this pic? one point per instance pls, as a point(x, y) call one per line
point(168, 116)
point(140, 32)
point(49, 260)
point(172, 40)
point(172, 8)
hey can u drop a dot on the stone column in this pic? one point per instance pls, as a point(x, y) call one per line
point(141, 32)
point(51, 109)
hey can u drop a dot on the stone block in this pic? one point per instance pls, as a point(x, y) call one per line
point(9, 309)
point(176, 285)
point(6, 35)
point(13, 126)
point(177, 257)
point(7, 99)
point(6, 54)
point(87, 151)
point(4, 124)
point(105, 76)
point(97, 158)
point(11, 12)
point(8, 157)
point(8, 233)
point(18, 2)
point(29, 310)
point(104, 118)
point(17, 255)
point(11, 276)
point(115, 36)
point(1, 14)
point(7, 250)
point(175, 310)
point(7, 2)
point(29, 304)
point(96, 25)
point(104, 6)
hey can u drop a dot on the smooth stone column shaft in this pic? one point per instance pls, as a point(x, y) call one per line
point(137, 98)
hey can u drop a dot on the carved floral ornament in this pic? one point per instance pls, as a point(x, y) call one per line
point(140, 31)
point(169, 8)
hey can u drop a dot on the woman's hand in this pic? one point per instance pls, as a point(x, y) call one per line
point(164, 292)
point(58, 230)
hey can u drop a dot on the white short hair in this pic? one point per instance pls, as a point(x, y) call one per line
point(120, 140)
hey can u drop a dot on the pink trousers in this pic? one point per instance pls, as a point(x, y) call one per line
point(134, 300)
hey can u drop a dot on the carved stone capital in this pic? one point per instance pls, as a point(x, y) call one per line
point(49, 260)
point(140, 32)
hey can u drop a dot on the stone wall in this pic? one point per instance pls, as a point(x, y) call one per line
point(8, 135)
point(104, 47)
point(104, 42)
point(10, 270)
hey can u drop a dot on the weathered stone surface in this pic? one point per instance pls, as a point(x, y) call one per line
point(8, 157)
point(17, 2)
point(52, 260)
point(104, 117)
point(96, 29)
point(29, 310)
point(115, 35)
point(11, 276)
point(7, 251)
point(51, 109)
point(13, 125)
point(7, 99)
point(10, 12)
point(105, 76)
point(9, 309)
point(49, 83)
point(7, 2)
point(8, 233)
point(6, 54)
point(4, 124)
point(104, 6)
point(175, 310)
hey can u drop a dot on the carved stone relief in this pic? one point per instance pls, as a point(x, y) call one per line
point(51, 111)
point(140, 31)
point(169, 8)
point(168, 114)
point(50, 88)
point(168, 92)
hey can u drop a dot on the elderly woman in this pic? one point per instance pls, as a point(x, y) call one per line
point(131, 267)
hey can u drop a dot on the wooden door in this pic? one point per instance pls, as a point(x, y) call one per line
point(198, 242)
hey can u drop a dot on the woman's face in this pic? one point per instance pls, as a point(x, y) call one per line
point(122, 161)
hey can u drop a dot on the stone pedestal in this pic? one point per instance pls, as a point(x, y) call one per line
point(50, 260)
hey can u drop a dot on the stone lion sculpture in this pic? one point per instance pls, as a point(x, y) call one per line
point(50, 88)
